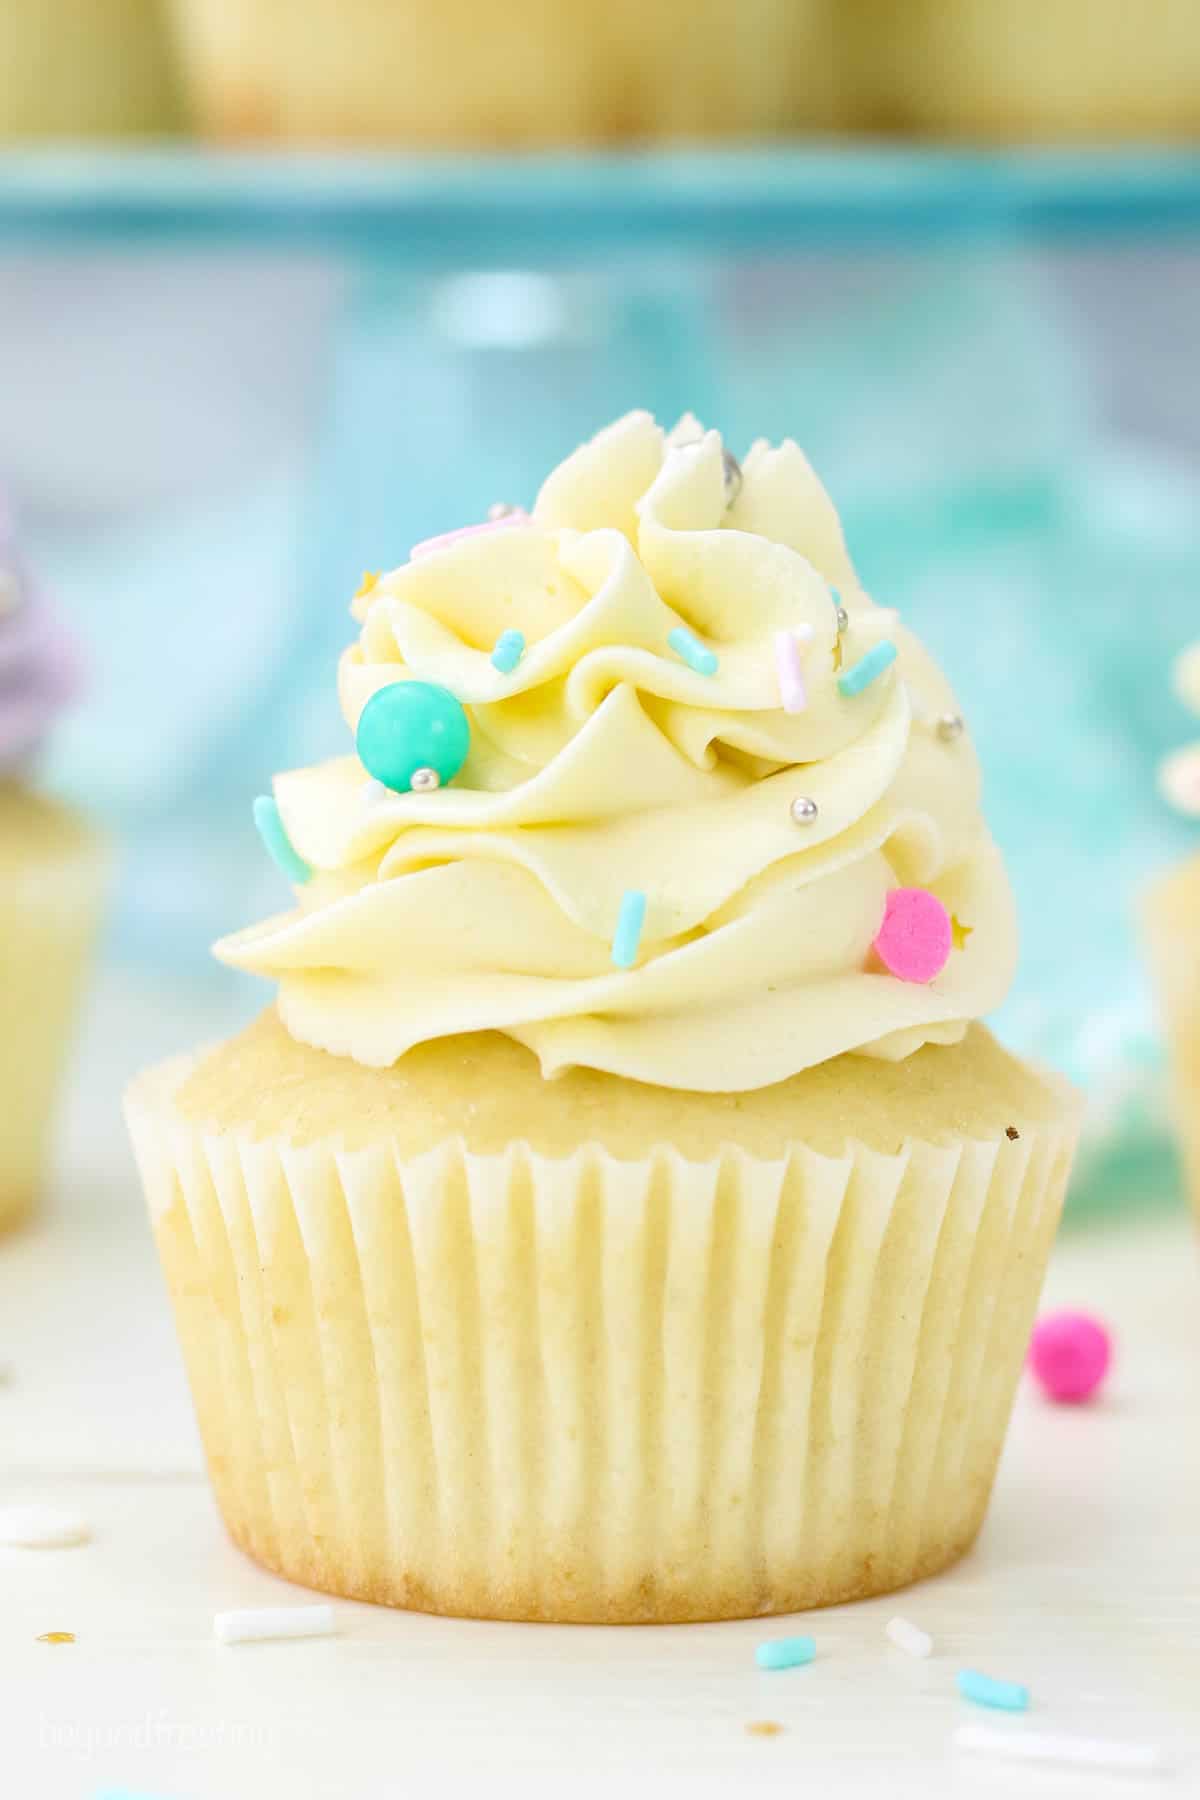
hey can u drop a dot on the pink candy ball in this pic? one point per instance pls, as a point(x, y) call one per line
point(915, 939)
point(1069, 1353)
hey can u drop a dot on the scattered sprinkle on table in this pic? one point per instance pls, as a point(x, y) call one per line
point(277, 843)
point(909, 1637)
point(256, 1623)
point(785, 1653)
point(689, 649)
point(1061, 1747)
point(764, 1727)
point(985, 1690)
point(867, 669)
point(1069, 1354)
point(510, 648)
point(1011, 1133)
point(42, 1528)
point(56, 1637)
point(628, 935)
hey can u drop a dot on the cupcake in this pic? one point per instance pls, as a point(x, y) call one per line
point(51, 881)
point(1173, 928)
point(533, 72)
point(1048, 69)
point(621, 1214)
point(85, 68)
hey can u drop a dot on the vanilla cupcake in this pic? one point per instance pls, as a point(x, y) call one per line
point(51, 882)
point(1020, 69)
point(621, 1214)
point(531, 72)
point(1173, 928)
point(85, 68)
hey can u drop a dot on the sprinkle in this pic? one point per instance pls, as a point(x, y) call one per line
point(949, 727)
point(909, 1637)
point(785, 1653)
point(258, 1622)
point(42, 1528)
point(368, 584)
point(763, 1727)
point(56, 1637)
point(429, 546)
point(277, 842)
point(984, 1690)
point(959, 932)
point(804, 809)
point(629, 928)
point(1011, 1133)
point(843, 619)
point(1069, 1354)
point(731, 469)
point(1061, 1747)
point(124, 1794)
point(687, 645)
point(792, 690)
point(413, 735)
point(914, 941)
point(510, 648)
point(862, 673)
point(501, 509)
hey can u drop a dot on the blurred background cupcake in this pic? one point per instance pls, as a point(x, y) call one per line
point(1173, 919)
point(1027, 69)
point(532, 72)
point(52, 869)
point(84, 68)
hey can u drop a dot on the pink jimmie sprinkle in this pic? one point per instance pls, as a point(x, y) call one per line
point(429, 546)
point(1069, 1353)
point(915, 939)
point(792, 690)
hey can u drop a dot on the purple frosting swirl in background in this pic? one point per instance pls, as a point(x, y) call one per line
point(39, 666)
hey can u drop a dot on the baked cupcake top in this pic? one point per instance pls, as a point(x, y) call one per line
point(646, 781)
point(1180, 773)
point(39, 670)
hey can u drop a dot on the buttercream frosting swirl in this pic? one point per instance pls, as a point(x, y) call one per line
point(39, 671)
point(603, 763)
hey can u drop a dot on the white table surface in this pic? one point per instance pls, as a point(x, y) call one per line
point(1085, 1583)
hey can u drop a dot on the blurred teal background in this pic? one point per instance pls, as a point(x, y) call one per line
point(229, 386)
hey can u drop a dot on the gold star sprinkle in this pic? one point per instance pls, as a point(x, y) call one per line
point(959, 932)
point(837, 653)
point(368, 583)
point(56, 1637)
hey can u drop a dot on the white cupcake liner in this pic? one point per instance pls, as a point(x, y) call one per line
point(589, 1389)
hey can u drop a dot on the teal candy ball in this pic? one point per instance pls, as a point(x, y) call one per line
point(412, 725)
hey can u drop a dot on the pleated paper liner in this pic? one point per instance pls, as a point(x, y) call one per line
point(53, 876)
point(1172, 925)
point(589, 1389)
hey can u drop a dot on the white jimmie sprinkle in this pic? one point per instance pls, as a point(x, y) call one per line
point(42, 1528)
point(256, 1622)
point(909, 1637)
point(1061, 1747)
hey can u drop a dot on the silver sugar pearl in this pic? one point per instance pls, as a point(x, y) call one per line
point(949, 727)
point(843, 619)
point(500, 510)
point(733, 476)
point(804, 810)
point(425, 781)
